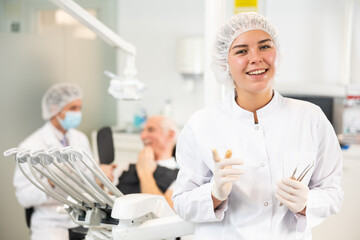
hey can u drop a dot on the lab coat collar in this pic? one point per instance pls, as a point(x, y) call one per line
point(58, 134)
point(263, 114)
point(271, 108)
point(50, 137)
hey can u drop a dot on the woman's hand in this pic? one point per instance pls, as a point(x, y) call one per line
point(225, 175)
point(293, 194)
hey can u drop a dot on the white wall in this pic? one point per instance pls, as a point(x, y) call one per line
point(312, 38)
point(154, 27)
point(312, 46)
point(311, 35)
point(355, 57)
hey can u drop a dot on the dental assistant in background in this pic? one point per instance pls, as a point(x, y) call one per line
point(61, 109)
point(270, 136)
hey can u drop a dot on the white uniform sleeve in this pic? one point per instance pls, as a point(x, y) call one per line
point(192, 194)
point(325, 195)
point(27, 194)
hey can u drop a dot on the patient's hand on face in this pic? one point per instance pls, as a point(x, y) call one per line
point(146, 164)
point(108, 169)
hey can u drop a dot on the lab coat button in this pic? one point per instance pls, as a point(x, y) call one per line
point(256, 127)
point(262, 164)
point(266, 204)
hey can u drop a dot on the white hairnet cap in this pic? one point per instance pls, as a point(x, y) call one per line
point(236, 25)
point(57, 97)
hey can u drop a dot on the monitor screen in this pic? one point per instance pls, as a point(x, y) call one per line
point(325, 103)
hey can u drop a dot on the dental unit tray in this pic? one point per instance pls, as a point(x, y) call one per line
point(72, 177)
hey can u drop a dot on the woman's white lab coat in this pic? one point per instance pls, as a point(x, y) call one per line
point(290, 134)
point(46, 222)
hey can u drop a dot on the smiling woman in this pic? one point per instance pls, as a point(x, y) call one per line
point(251, 60)
point(238, 195)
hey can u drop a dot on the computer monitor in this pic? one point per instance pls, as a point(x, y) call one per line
point(325, 103)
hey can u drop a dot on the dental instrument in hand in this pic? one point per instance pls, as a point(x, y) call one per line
point(302, 174)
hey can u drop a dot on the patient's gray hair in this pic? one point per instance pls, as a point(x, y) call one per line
point(167, 124)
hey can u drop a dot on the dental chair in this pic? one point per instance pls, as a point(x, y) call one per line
point(128, 181)
point(28, 213)
point(105, 147)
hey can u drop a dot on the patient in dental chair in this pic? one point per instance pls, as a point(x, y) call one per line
point(156, 169)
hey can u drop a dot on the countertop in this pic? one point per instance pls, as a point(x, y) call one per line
point(353, 152)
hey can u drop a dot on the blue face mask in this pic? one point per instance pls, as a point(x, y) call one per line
point(72, 120)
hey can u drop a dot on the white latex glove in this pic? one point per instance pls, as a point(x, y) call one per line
point(224, 175)
point(292, 194)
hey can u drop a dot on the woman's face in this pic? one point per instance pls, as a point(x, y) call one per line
point(251, 60)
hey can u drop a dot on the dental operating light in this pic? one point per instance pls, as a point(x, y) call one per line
point(122, 88)
point(127, 89)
